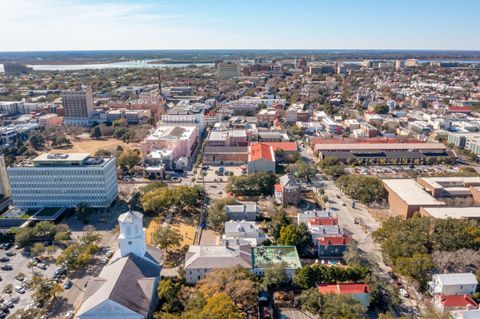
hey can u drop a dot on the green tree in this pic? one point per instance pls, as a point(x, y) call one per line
point(45, 291)
point(275, 277)
point(217, 216)
point(260, 183)
point(220, 306)
point(169, 292)
point(23, 236)
point(102, 153)
point(236, 282)
point(166, 237)
point(366, 189)
point(296, 235)
point(302, 169)
point(60, 140)
point(95, 132)
point(311, 300)
point(37, 141)
point(342, 306)
point(129, 159)
point(37, 249)
point(416, 267)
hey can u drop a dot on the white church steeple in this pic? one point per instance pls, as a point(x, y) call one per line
point(132, 235)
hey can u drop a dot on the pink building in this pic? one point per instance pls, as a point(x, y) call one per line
point(178, 140)
point(50, 120)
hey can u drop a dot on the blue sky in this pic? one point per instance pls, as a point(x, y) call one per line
point(247, 24)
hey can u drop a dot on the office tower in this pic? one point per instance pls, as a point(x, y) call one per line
point(228, 70)
point(78, 106)
point(64, 180)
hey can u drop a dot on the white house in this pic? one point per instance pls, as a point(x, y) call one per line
point(200, 260)
point(245, 211)
point(453, 284)
point(244, 232)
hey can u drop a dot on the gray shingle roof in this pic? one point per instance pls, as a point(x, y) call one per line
point(128, 281)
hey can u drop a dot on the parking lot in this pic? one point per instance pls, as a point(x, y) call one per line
point(397, 171)
point(211, 174)
point(20, 264)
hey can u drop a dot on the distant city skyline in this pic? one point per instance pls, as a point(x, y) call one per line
point(44, 25)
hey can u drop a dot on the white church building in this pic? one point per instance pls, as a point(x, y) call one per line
point(126, 287)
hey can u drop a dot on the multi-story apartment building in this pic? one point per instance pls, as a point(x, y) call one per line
point(228, 70)
point(469, 141)
point(64, 180)
point(78, 106)
point(186, 114)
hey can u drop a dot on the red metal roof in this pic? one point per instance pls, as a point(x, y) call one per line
point(323, 221)
point(343, 288)
point(460, 109)
point(278, 187)
point(335, 241)
point(261, 151)
point(457, 301)
point(284, 146)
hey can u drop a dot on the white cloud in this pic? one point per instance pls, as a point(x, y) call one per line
point(76, 25)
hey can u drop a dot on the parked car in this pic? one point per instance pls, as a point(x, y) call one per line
point(109, 253)
point(2, 315)
point(4, 309)
point(10, 253)
point(67, 284)
point(69, 315)
point(392, 275)
point(6, 267)
point(12, 300)
point(9, 303)
point(4, 259)
point(20, 289)
point(41, 266)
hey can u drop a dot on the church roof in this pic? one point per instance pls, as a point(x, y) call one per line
point(128, 281)
point(130, 217)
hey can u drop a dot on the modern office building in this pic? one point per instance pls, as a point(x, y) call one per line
point(78, 106)
point(64, 180)
point(16, 68)
point(228, 70)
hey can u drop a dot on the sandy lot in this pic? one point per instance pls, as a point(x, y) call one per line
point(87, 145)
point(187, 231)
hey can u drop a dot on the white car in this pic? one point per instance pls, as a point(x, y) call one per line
point(69, 315)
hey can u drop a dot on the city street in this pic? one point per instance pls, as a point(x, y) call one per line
point(362, 233)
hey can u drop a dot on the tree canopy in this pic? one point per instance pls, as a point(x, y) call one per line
point(260, 183)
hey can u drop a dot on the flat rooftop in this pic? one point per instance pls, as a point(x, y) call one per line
point(450, 182)
point(380, 147)
point(65, 157)
point(171, 132)
point(411, 192)
point(453, 212)
point(64, 160)
point(268, 256)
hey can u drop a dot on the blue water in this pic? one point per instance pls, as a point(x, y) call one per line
point(142, 64)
